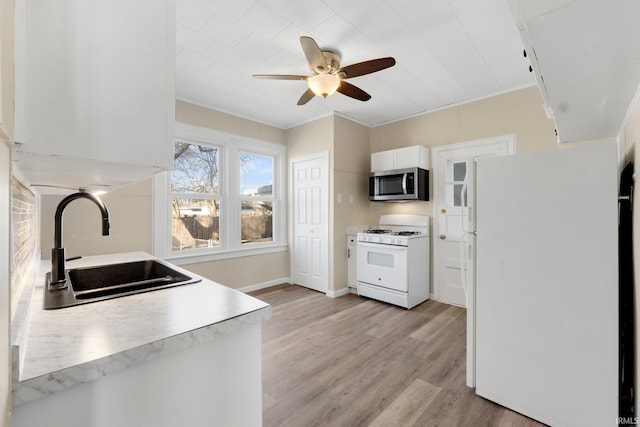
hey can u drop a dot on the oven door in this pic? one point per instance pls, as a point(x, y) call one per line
point(382, 265)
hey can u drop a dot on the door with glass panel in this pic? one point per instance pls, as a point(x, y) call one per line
point(453, 204)
point(449, 238)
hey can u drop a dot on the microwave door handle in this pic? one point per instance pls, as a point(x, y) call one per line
point(404, 183)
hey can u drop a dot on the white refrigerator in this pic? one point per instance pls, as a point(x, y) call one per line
point(543, 319)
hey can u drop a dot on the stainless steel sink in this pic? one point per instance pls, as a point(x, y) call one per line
point(85, 285)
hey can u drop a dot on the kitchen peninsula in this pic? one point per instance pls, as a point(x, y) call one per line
point(168, 357)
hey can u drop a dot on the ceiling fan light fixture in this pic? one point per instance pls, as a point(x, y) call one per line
point(323, 84)
point(328, 76)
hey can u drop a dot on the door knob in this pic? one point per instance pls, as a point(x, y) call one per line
point(443, 211)
point(443, 236)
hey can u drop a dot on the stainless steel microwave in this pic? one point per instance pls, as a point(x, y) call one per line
point(399, 184)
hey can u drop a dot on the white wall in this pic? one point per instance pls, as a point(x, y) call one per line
point(351, 165)
point(519, 112)
point(6, 135)
point(130, 211)
point(6, 66)
point(349, 161)
point(5, 306)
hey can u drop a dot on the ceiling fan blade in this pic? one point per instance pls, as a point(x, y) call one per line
point(280, 76)
point(366, 67)
point(306, 97)
point(353, 91)
point(314, 55)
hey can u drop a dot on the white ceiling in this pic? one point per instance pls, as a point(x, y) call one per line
point(447, 52)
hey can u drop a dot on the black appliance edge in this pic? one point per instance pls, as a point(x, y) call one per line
point(626, 362)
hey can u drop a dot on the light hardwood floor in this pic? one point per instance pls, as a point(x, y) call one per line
point(353, 361)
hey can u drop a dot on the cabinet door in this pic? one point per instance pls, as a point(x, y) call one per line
point(400, 158)
point(95, 80)
point(411, 157)
point(382, 161)
point(406, 157)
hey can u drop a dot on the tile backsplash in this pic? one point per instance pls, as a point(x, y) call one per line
point(23, 239)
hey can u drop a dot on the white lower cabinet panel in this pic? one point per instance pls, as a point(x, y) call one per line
point(214, 383)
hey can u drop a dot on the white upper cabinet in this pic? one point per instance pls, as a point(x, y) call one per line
point(95, 90)
point(400, 158)
point(585, 58)
point(382, 161)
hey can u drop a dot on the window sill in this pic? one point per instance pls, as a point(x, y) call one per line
point(193, 258)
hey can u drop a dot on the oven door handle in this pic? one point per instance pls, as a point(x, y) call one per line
point(404, 183)
point(382, 246)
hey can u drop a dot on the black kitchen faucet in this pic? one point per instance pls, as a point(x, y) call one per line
point(58, 277)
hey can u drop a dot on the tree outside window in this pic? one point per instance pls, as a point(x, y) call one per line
point(195, 196)
point(196, 199)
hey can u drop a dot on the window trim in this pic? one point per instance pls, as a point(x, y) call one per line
point(229, 193)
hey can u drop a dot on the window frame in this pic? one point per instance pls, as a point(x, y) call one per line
point(231, 246)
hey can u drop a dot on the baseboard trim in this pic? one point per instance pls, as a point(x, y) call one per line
point(338, 293)
point(264, 285)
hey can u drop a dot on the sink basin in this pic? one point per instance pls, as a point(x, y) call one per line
point(85, 285)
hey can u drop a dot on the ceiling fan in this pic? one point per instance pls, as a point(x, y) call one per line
point(327, 76)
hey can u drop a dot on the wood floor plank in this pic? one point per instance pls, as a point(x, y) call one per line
point(513, 419)
point(438, 323)
point(445, 354)
point(408, 406)
point(353, 361)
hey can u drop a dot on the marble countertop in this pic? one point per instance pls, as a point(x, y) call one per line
point(60, 348)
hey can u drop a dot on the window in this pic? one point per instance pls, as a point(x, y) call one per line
point(195, 198)
point(256, 197)
point(456, 175)
point(225, 197)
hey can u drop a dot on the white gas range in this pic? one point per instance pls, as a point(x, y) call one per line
point(393, 260)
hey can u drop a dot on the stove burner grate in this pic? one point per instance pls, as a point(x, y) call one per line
point(377, 231)
point(406, 233)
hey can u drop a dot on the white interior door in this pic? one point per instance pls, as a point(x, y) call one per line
point(453, 165)
point(310, 246)
point(451, 214)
